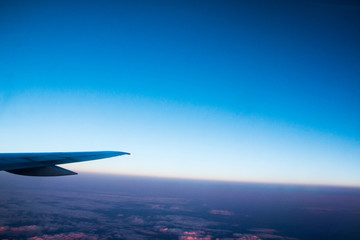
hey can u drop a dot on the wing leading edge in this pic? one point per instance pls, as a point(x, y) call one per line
point(44, 164)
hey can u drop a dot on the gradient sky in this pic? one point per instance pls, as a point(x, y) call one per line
point(260, 91)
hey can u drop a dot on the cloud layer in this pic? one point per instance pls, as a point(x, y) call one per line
point(42, 211)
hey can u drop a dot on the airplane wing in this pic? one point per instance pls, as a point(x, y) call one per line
point(44, 164)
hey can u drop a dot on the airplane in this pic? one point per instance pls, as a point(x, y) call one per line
point(44, 164)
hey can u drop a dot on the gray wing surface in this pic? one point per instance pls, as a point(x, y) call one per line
point(44, 164)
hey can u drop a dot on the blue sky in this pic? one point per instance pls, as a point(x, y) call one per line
point(225, 90)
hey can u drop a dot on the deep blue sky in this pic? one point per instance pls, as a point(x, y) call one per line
point(274, 84)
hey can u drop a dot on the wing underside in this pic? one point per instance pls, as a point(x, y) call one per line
point(43, 171)
point(44, 164)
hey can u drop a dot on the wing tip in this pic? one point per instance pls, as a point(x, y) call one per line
point(122, 153)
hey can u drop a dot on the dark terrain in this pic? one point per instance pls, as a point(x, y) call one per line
point(118, 207)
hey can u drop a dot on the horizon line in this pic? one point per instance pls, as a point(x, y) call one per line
point(225, 180)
